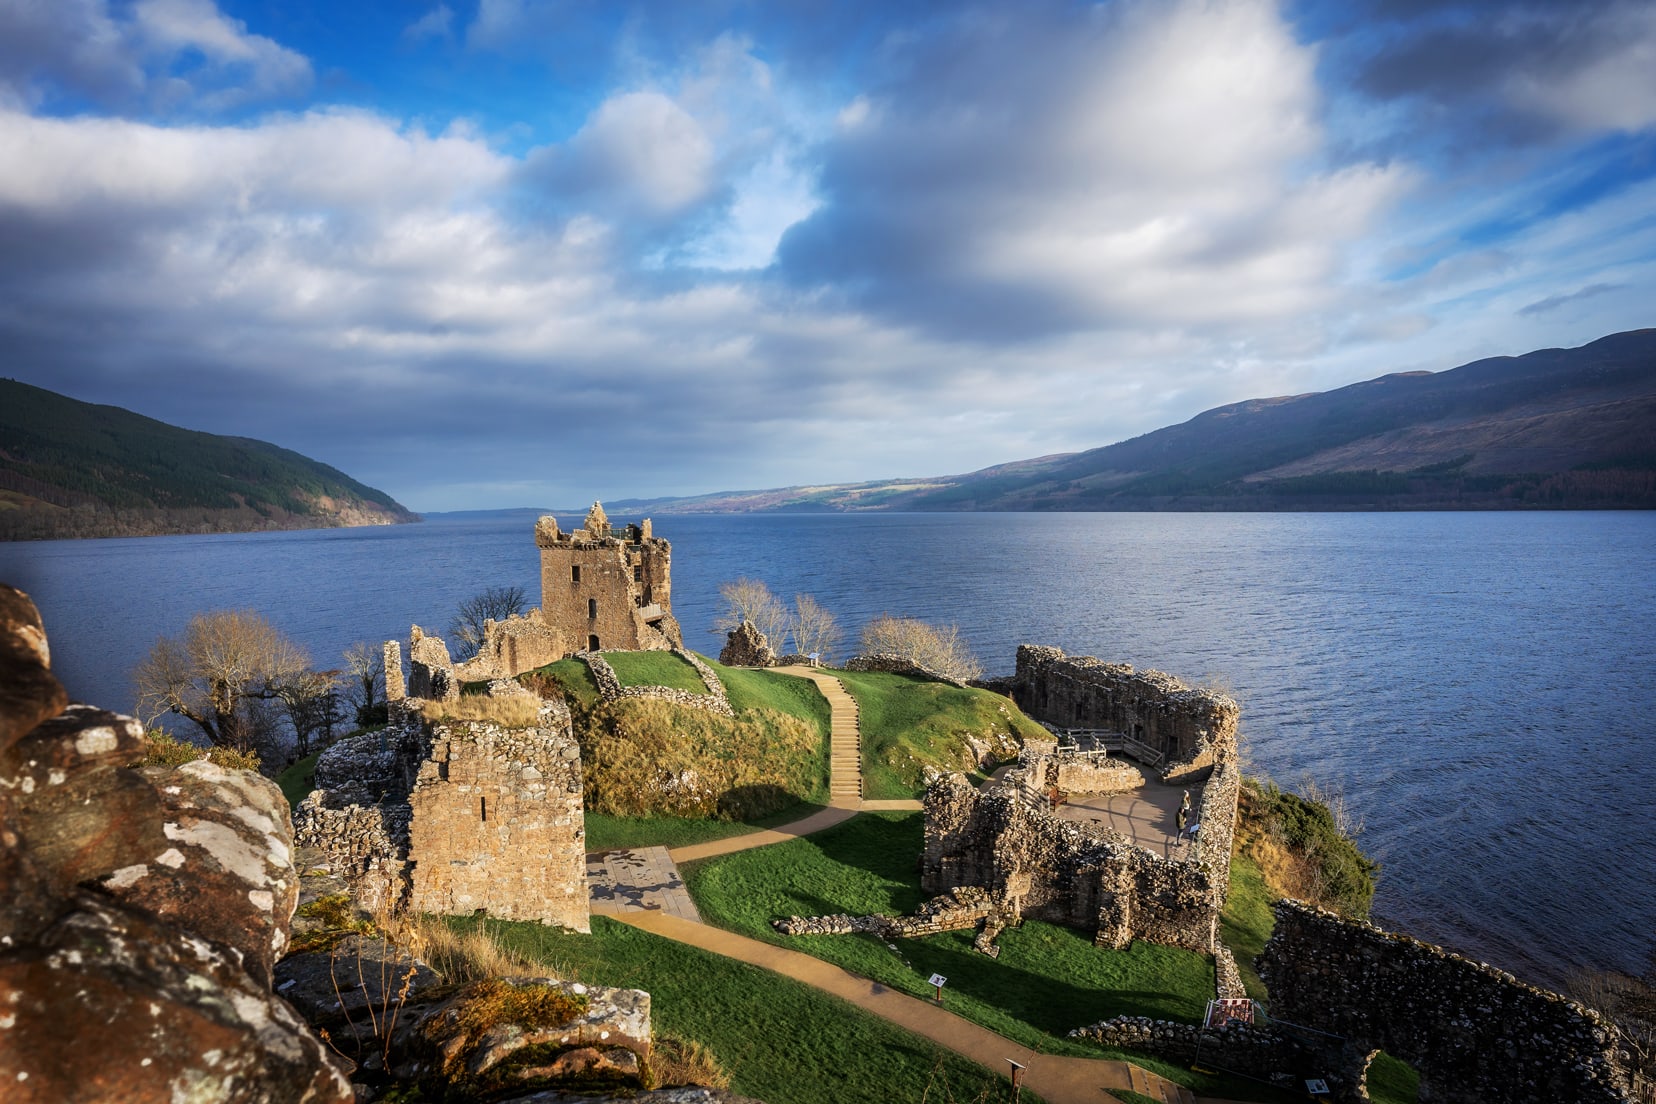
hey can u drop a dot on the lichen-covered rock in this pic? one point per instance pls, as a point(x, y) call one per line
point(112, 1005)
point(29, 693)
point(355, 977)
point(525, 1033)
point(200, 846)
point(746, 646)
point(140, 913)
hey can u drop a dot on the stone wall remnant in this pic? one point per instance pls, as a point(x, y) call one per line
point(430, 669)
point(496, 824)
point(746, 646)
point(1475, 1034)
point(456, 817)
point(1189, 728)
point(1074, 874)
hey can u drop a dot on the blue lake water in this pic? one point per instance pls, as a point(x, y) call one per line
point(1483, 686)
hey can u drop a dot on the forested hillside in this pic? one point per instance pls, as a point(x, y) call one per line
point(74, 469)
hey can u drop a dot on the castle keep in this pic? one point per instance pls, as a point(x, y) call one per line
point(605, 590)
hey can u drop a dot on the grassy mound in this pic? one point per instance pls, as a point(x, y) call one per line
point(910, 723)
point(653, 768)
point(644, 757)
point(655, 669)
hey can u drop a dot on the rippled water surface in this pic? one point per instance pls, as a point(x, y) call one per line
point(1483, 686)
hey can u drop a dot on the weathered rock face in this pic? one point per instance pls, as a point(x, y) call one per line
point(746, 646)
point(141, 914)
point(1476, 1035)
point(28, 692)
point(108, 1004)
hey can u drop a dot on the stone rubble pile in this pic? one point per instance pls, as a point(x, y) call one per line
point(746, 646)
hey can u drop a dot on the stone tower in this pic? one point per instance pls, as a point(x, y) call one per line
point(604, 589)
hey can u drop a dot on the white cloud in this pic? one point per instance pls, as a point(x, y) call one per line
point(436, 23)
point(155, 54)
point(1610, 88)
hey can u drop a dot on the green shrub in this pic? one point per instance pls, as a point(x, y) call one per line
point(1300, 851)
point(166, 750)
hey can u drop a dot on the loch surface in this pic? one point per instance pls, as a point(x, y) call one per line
point(1482, 686)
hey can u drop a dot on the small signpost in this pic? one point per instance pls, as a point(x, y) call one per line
point(1316, 1086)
point(1018, 1070)
point(939, 980)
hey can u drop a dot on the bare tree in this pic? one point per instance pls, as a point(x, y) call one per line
point(227, 661)
point(939, 650)
point(814, 630)
point(365, 679)
point(310, 700)
point(497, 603)
point(751, 600)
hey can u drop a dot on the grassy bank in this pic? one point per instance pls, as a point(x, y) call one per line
point(1046, 981)
point(909, 723)
point(780, 1041)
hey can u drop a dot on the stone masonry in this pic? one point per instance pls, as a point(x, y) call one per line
point(602, 589)
point(1189, 727)
point(1476, 1035)
point(496, 824)
point(456, 817)
point(1039, 866)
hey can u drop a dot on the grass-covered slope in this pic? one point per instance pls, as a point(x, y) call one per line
point(911, 723)
point(74, 469)
point(780, 1041)
point(657, 772)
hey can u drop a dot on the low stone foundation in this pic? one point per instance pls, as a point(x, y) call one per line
point(610, 688)
point(965, 907)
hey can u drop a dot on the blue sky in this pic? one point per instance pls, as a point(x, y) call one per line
point(491, 253)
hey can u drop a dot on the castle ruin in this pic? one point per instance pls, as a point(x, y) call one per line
point(607, 590)
point(1007, 840)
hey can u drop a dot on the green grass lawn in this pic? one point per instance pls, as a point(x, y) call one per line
point(908, 722)
point(299, 780)
point(781, 1041)
point(604, 832)
point(574, 678)
point(655, 669)
point(1246, 923)
point(1046, 981)
point(1392, 1082)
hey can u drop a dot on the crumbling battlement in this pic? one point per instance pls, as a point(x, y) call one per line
point(601, 589)
point(1191, 728)
point(1476, 1035)
point(1035, 864)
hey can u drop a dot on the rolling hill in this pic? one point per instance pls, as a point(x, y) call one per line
point(74, 469)
point(1557, 428)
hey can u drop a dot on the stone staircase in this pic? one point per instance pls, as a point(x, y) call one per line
point(845, 784)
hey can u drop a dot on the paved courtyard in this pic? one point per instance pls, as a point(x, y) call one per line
point(1145, 816)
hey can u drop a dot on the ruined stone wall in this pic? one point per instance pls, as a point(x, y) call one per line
point(496, 823)
point(1257, 1052)
point(513, 646)
point(1066, 873)
point(615, 588)
point(1476, 1035)
point(897, 665)
point(1191, 728)
point(430, 669)
point(1074, 774)
point(610, 688)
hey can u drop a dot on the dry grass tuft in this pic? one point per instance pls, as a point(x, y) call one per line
point(166, 750)
point(508, 712)
point(473, 955)
point(676, 1061)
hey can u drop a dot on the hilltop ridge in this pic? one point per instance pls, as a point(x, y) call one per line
point(76, 469)
point(1559, 428)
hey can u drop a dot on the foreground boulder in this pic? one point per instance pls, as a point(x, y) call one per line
point(142, 912)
